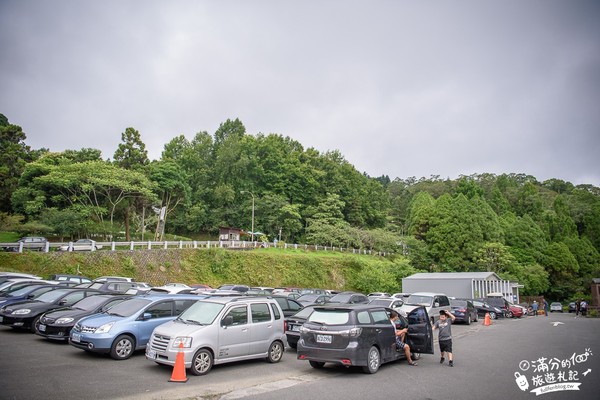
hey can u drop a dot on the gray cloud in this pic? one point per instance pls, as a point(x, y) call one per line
point(399, 87)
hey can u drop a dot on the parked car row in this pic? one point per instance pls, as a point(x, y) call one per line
point(39, 243)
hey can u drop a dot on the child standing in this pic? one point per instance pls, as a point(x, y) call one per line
point(445, 335)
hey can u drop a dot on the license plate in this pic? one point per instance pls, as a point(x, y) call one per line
point(42, 328)
point(151, 354)
point(76, 337)
point(294, 328)
point(323, 338)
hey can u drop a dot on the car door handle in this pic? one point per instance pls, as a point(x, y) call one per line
point(378, 330)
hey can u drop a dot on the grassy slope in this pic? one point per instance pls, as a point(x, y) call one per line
point(261, 267)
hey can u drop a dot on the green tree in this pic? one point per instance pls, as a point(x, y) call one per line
point(131, 153)
point(14, 155)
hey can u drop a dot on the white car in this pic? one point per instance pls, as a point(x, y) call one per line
point(173, 288)
point(556, 307)
point(81, 245)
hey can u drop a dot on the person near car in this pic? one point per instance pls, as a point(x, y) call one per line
point(535, 308)
point(546, 308)
point(577, 307)
point(400, 334)
point(444, 325)
point(583, 308)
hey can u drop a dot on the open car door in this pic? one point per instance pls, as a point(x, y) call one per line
point(420, 332)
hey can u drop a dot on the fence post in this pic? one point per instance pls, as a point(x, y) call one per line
point(195, 244)
point(113, 246)
point(131, 245)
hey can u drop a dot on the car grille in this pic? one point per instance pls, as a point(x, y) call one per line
point(84, 329)
point(159, 342)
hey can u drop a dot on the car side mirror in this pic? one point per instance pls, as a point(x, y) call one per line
point(146, 316)
point(62, 302)
point(227, 321)
point(436, 304)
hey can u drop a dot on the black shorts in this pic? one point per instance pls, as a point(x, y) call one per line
point(446, 345)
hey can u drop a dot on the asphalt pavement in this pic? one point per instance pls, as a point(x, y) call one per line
point(557, 353)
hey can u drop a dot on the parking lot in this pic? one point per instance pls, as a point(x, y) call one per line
point(486, 358)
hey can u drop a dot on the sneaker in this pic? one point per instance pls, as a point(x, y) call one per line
point(451, 364)
point(442, 360)
point(413, 364)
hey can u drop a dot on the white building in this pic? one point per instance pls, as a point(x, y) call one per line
point(462, 284)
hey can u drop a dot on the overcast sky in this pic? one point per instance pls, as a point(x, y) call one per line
point(400, 88)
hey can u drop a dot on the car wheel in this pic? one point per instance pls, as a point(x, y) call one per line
point(476, 318)
point(35, 323)
point(468, 321)
point(316, 364)
point(373, 361)
point(122, 347)
point(275, 352)
point(493, 315)
point(202, 362)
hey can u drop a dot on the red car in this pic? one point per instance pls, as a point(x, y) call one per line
point(515, 311)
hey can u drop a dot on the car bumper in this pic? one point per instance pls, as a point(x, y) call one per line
point(54, 332)
point(17, 321)
point(100, 343)
point(350, 355)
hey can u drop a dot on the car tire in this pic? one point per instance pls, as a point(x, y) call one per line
point(476, 317)
point(35, 323)
point(316, 364)
point(275, 353)
point(493, 315)
point(373, 361)
point(202, 362)
point(468, 321)
point(122, 348)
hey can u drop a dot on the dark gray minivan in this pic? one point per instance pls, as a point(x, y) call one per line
point(360, 335)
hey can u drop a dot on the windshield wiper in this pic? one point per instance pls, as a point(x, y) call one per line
point(195, 322)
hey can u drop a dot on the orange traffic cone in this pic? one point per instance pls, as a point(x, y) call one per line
point(178, 374)
point(487, 321)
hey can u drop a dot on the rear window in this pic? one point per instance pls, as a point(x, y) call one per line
point(330, 317)
point(458, 303)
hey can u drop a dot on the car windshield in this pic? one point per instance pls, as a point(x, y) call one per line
point(308, 297)
point(52, 295)
point(330, 317)
point(201, 313)
point(458, 303)
point(418, 300)
point(128, 307)
point(381, 302)
point(304, 313)
point(89, 303)
point(24, 290)
point(341, 298)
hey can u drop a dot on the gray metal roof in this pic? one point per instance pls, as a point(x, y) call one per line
point(455, 275)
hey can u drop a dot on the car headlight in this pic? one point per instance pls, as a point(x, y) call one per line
point(185, 340)
point(104, 328)
point(64, 320)
point(22, 311)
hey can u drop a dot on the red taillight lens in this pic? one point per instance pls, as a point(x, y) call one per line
point(462, 310)
point(284, 325)
point(345, 361)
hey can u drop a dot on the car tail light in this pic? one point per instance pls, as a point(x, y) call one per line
point(461, 310)
point(284, 325)
point(346, 361)
point(301, 357)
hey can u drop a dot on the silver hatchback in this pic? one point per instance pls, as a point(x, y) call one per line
point(218, 330)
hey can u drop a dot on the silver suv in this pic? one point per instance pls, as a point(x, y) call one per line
point(218, 330)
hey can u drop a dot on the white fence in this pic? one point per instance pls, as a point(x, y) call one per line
point(153, 245)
